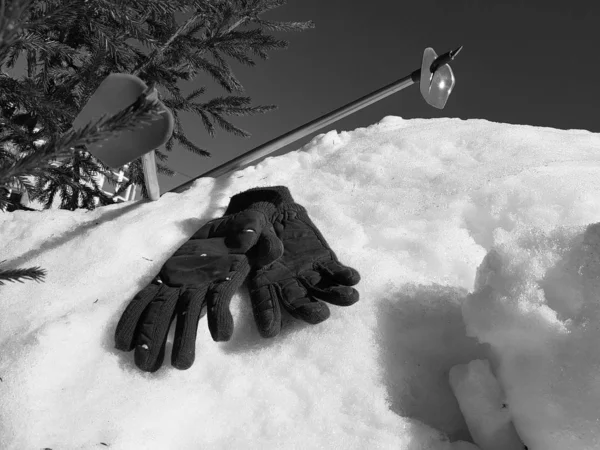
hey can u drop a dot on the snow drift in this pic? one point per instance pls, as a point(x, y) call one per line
point(474, 241)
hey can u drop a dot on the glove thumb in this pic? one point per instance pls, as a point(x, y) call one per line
point(268, 248)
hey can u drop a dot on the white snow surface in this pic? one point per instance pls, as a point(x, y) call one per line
point(474, 240)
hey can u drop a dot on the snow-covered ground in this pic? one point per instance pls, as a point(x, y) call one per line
point(474, 241)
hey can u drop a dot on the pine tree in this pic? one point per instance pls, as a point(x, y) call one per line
point(70, 46)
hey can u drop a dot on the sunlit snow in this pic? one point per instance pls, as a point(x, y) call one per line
point(474, 241)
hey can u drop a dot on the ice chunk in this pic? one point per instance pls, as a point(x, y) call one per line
point(537, 304)
point(484, 407)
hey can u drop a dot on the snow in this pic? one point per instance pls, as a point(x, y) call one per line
point(484, 406)
point(474, 241)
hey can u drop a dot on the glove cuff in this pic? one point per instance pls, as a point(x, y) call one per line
point(268, 200)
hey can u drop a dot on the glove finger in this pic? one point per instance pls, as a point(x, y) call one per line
point(234, 229)
point(322, 285)
point(336, 295)
point(218, 299)
point(190, 310)
point(266, 310)
point(269, 247)
point(339, 273)
point(125, 332)
point(151, 333)
point(300, 304)
point(251, 232)
point(157, 361)
point(212, 228)
point(241, 233)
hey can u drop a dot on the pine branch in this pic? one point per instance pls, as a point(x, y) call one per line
point(128, 19)
point(63, 13)
point(72, 45)
point(160, 156)
point(33, 273)
point(285, 26)
point(195, 93)
point(220, 74)
point(237, 24)
point(154, 7)
point(135, 175)
point(206, 122)
point(164, 170)
point(185, 142)
point(141, 112)
point(12, 14)
point(228, 126)
point(156, 54)
point(267, 5)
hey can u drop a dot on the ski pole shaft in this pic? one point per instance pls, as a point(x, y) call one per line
point(432, 97)
point(304, 130)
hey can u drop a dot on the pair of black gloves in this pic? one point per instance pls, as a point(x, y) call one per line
point(264, 236)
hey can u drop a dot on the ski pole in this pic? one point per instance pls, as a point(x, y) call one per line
point(436, 80)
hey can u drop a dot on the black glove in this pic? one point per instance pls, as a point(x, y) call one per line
point(202, 275)
point(307, 272)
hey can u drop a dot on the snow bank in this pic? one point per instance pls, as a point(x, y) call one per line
point(416, 206)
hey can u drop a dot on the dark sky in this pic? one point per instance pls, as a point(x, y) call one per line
point(531, 62)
